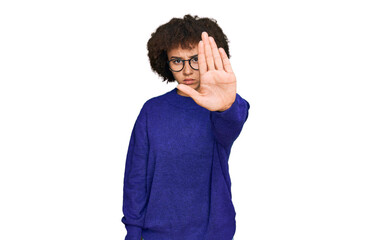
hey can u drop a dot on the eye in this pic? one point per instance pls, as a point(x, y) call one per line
point(195, 59)
point(177, 61)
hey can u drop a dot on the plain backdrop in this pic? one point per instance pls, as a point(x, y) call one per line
point(75, 74)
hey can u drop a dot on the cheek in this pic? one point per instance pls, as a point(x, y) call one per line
point(176, 76)
point(198, 74)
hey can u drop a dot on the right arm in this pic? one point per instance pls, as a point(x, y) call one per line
point(135, 194)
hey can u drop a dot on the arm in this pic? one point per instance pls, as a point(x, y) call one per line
point(135, 194)
point(227, 125)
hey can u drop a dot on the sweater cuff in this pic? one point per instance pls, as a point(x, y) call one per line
point(133, 232)
point(232, 111)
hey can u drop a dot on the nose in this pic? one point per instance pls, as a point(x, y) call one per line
point(187, 68)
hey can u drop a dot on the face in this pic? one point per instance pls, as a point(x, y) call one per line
point(187, 75)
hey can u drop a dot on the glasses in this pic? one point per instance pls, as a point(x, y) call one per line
point(177, 65)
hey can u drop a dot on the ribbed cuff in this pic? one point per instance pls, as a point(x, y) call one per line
point(133, 232)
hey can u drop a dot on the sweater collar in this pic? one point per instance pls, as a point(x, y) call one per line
point(181, 101)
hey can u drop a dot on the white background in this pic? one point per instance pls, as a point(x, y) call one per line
point(74, 75)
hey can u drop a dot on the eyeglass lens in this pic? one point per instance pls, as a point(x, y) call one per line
point(178, 64)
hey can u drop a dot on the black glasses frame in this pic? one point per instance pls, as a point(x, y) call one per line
point(189, 62)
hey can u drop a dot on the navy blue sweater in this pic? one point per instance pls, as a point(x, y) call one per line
point(177, 184)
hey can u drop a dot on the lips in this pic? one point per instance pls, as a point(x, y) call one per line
point(189, 81)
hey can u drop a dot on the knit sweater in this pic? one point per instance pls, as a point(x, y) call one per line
point(177, 184)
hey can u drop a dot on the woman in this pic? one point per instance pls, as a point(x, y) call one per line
point(177, 184)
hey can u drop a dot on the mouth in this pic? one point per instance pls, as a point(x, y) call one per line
point(189, 81)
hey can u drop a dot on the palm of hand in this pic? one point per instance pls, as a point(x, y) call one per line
point(217, 90)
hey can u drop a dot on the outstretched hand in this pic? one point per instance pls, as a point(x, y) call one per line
point(217, 90)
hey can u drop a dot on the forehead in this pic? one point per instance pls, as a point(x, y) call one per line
point(182, 52)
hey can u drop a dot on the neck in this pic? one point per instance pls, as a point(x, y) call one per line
point(181, 93)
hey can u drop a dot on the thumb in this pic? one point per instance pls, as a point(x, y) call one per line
point(189, 91)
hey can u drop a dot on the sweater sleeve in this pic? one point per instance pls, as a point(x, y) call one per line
point(228, 124)
point(135, 194)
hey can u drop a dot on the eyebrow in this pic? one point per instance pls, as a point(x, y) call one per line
point(175, 57)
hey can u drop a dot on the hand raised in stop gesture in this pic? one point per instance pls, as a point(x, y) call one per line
point(217, 90)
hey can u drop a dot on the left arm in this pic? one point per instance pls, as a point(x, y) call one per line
point(227, 125)
point(217, 92)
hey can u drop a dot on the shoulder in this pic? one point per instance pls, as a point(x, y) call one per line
point(157, 100)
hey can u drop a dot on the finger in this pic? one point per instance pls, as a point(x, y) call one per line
point(226, 63)
point(201, 58)
point(208, 53)
point(217, 60)
point(189, 91)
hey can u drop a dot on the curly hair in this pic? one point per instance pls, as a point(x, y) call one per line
point(184, 32)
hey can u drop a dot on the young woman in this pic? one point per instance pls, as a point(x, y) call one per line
point(177, 184)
